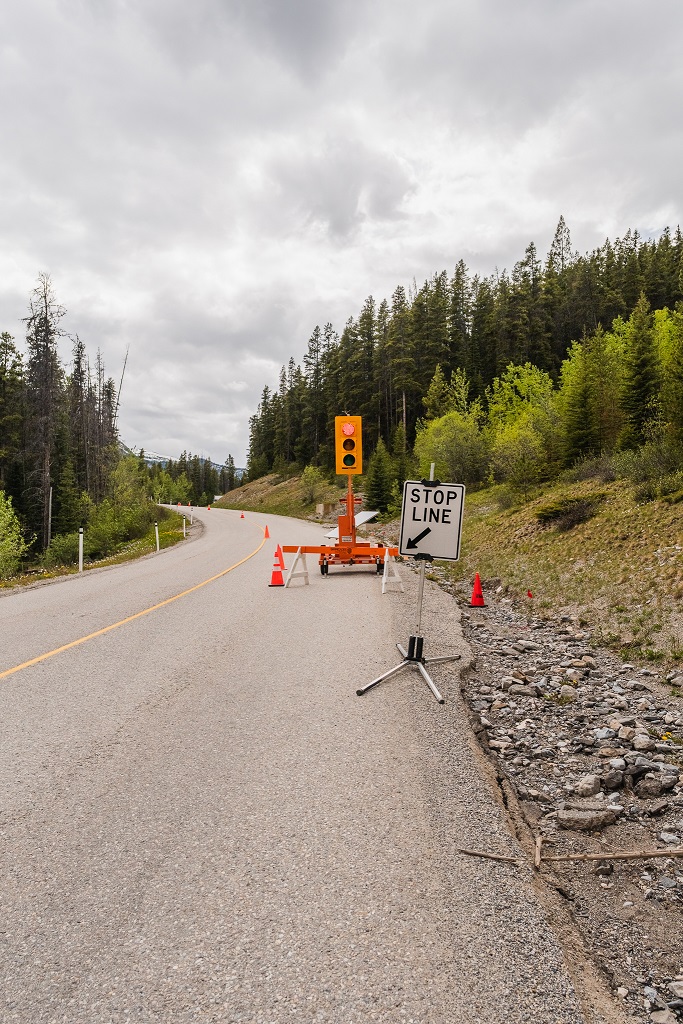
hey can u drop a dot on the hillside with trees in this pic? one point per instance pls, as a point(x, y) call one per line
point(514, 377)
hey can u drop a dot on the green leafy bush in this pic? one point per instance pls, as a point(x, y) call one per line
point(565, 512)
point(110, 526)
point(600, 468)
point(63, 550)
point(12, 543)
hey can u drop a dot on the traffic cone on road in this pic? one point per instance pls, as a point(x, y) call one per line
point(477, 599)
point(242, 516)
point(266, 532)
point(276, 579)
point(279, 557)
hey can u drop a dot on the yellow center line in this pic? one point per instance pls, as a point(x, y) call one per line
point(131, 618)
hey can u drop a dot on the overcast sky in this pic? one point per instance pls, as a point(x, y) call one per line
point(205, 181)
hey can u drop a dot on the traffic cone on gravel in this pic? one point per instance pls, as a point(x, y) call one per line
point(279, 557)
point(276, 579)
point(477, 599)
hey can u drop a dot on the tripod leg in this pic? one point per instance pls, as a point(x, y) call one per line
point(449, 657)
point(387, 675)
point(428, 680)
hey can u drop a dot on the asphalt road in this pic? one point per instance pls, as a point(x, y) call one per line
point(201, 822)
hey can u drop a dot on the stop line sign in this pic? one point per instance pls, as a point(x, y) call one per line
point(431, 519)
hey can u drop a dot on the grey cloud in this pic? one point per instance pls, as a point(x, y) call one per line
point(207, 181)
point(341, 184)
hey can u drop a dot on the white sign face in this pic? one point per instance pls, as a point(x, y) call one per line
point(431, 519)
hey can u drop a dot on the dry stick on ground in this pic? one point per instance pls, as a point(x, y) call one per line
point(625, 855)
point(538, 857)
point(489, 856)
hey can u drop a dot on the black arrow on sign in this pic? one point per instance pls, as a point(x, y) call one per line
point(414, 541)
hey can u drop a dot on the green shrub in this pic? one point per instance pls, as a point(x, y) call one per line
point(63, 550)
point(312, 480)
point(12, 543)
point(105, 530)
point(592, 468)
point(565, 512)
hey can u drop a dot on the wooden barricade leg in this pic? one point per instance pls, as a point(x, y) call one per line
point(391, 578)
point(302, 573)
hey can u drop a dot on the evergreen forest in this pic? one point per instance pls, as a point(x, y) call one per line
point(512, 377)
point(62, 465)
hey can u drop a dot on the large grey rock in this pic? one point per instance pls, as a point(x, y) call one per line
point(521, 690)
point(568, 693)
point(663, 1017)
point(589, 785)
point(649, 787)
point(604, 734)
point(586, 820)
point(642, 742)
point(612, 780)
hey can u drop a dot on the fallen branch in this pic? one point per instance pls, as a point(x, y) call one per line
point(626, 855)
point(489, 856)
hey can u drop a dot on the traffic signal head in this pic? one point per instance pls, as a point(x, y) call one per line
point(348, 444)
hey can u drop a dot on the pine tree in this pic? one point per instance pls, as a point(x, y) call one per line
point(378, 480)
point(672, 382)
point(11, 407)
point(400, 453)
point(436, 400)
point(67, 516)
point(579, 434)
point(229, 473)
point(642, 372)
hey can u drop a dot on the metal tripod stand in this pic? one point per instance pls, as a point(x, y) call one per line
point(413, 656)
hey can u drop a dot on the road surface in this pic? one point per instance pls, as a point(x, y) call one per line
point(201, 822)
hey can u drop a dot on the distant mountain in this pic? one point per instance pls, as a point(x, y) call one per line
point(153, 459)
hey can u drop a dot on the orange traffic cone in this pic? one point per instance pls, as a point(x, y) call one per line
point(276, 579)
point(279, 557)
point(266, 532)
point(477, 599)
point(242, 516)
point(208, 508)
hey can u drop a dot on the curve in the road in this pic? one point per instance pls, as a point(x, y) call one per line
point(129, 618)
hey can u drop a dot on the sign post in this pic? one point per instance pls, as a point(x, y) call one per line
point(431, 527)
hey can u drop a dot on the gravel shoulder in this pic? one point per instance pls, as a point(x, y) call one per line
point(588, 754)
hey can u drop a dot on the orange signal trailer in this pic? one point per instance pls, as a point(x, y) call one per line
point(348, 550)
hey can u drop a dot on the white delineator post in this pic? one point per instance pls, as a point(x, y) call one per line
point(80, 549)
point(156, 534)
point(184, 526)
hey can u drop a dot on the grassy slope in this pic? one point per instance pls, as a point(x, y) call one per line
point(273, 493)
point(620, 572)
